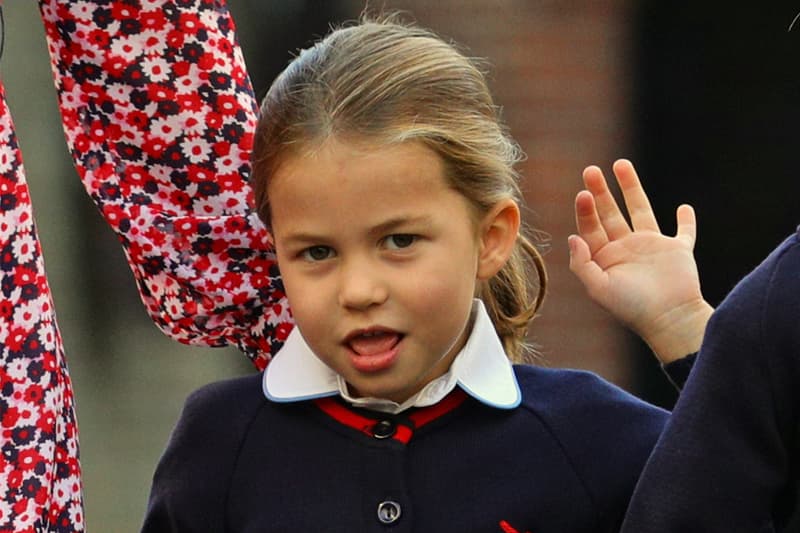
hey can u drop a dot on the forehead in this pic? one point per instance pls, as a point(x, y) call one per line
point(358, 164)
point(358, 180)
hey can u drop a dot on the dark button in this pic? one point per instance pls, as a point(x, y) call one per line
point(384, 429)
point(388, 512)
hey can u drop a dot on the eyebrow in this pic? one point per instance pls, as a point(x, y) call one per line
point(393, 223)
point(384, 227)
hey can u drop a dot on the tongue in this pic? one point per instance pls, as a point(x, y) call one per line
point(375, 344)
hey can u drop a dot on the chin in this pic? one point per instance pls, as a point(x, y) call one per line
point(383, 393)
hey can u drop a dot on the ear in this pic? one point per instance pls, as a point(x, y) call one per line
point(498, 236)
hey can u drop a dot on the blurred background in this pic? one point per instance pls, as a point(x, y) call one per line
point(703, 96)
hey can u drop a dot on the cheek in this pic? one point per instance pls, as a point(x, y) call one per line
point(445, 287)
point(449, 288)
point(309, 314)
point(456, 270)
point(301, 294)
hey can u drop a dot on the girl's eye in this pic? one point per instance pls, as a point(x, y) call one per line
point(399, 241)
point(317, 253)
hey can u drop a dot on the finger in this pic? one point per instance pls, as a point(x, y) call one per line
point(610, 215)
point(687, 224)
point(580, 263)
point(636, 201)
point(588, 222)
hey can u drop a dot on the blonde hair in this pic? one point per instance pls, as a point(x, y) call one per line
point(388, 82)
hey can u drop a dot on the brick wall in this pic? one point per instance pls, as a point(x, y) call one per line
point(559, 71)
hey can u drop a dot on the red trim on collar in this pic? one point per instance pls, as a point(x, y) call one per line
point(418, 418)
point(508, 528)
point(428, 414)
point(342, 414)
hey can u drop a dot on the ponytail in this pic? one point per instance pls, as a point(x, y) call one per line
point(512, 300)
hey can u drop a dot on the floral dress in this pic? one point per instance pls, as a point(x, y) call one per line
point(159, 114)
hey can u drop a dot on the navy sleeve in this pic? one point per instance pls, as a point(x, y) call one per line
point(724, 460)
point(678, 371)
point(192, 479)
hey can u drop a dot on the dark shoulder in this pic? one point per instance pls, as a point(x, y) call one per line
point(244, 393)
point(558, 392)
point(787, 254)
point(192, 479)
point(606, 433)
point(783, 271)
point(216, 416)
point(778, 338)
point(765, 303)
point(779, 269)
point(577, 404)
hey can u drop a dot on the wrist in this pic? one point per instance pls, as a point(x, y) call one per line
point(679, 332)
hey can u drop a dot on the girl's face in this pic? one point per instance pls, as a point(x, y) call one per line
point(379, 258)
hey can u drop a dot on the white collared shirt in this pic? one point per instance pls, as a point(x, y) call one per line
point(481, 369)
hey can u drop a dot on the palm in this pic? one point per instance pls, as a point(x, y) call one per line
point(644, 278)
point(644, 275)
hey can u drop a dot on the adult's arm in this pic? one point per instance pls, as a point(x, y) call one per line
point(726, 459)
point(159, 115)
point(40, 476)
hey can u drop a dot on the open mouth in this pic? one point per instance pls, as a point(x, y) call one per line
point(373, 342)
point(374, 349)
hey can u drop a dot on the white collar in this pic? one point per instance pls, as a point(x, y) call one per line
point(481, 369)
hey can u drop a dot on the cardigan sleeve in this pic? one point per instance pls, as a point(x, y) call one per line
point(40, 477)
point(159, 115)
point(725, 459)
point(678, 371)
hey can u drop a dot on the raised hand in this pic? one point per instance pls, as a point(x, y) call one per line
point(646, 279)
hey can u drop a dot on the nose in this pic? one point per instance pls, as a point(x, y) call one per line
point(361, 286)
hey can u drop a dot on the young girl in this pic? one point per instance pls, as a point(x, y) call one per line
point(387, 181)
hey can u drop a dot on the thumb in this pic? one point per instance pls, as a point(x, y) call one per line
point(581, 264)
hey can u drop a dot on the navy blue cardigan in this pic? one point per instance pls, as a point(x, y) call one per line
point(728, 459)
point(565, 460)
